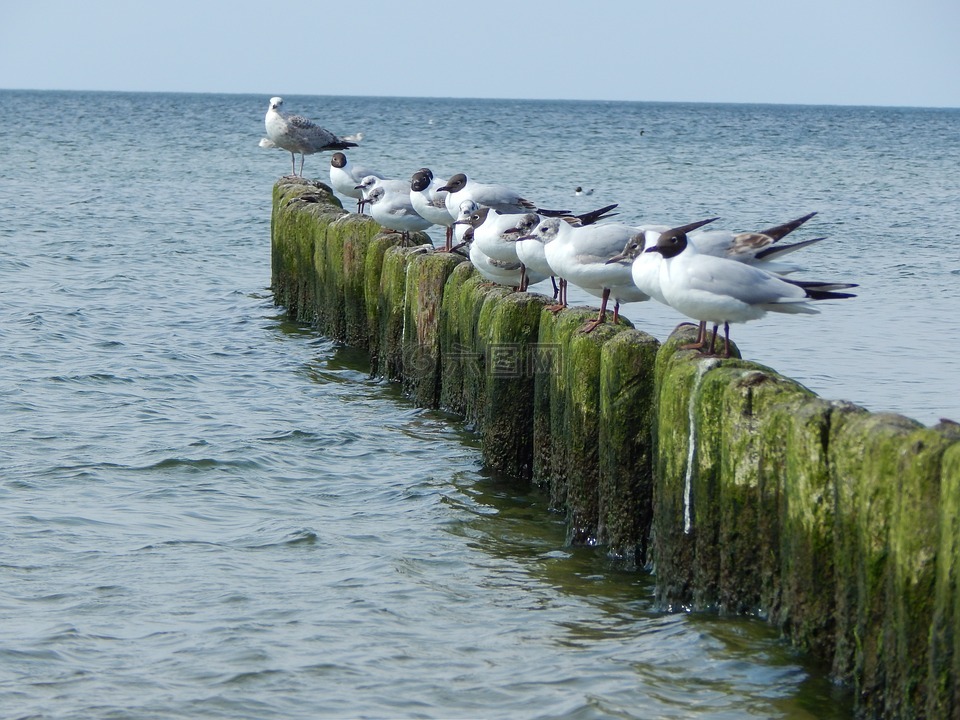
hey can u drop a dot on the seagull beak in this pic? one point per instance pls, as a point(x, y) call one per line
point(616, 259)
point(653, 249)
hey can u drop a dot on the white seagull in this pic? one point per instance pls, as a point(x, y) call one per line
point(499, 235)
point(345, 175)
point(715, 289)
point(296, 134)
point(752, 248)
point(499, 197)
point(391, 185)
point(430, 202)
point(580, 255)
point(490, 229)
point(510, 274)
point(391, 208)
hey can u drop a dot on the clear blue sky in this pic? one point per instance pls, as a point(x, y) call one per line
point(849, 52)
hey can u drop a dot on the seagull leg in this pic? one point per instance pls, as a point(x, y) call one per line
point(601, 317)
point(555, 288)
point(302, 158)
point(726, 339)
point(448, 242)
point(616, 311)
point(562, 301)
point(523, 278)
point(701, 338)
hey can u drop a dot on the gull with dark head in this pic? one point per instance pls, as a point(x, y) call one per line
point(722, 290)
point(499, 197)
point(753, 248)
point(346, 175)
point(430, 201)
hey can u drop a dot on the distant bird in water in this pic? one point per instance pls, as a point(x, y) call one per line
point(581, 191)
point(296, 134)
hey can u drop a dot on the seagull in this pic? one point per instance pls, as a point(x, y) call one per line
point(531, 252)
point(430, 202)
point(716, 289)
point(393, 210)
point(533, 257)
point(495, 231)
point(346, 175)
point(298, 135)
point(581, 191)
point(391, 185)
point(499, 197)
point(463, 232)
point(752, 248)
point(491, 227)
point(510, 274)
point(580, 254)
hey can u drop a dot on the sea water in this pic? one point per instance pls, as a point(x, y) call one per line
point(209, 511)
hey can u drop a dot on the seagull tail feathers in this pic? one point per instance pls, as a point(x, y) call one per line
point(780, 231)
point(593, 216)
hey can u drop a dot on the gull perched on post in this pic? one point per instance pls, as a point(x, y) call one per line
point(296, 134)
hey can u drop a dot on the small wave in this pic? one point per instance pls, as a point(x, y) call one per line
point(84, 201)
point(302, 536)
point(198, 464)
point(290, 435)
point(91, 378)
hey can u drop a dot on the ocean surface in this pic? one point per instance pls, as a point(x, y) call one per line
point(208, 511)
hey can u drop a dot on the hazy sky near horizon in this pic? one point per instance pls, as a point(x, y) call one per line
point(846, 52)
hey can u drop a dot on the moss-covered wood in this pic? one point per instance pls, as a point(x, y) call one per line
point(461, 365)
point(391, 309)
point(514, 358)
point(427, 275)
point(943, 689)
point(625, 463)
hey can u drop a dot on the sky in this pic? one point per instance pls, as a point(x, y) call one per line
point(820, 52)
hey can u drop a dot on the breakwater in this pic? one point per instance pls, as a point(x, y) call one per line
point(744, 491)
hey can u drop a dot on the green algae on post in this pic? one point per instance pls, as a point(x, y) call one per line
point(627, 401)
point(427, 275)
point(514, 358)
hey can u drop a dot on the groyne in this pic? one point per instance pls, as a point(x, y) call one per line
point(744, 492)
